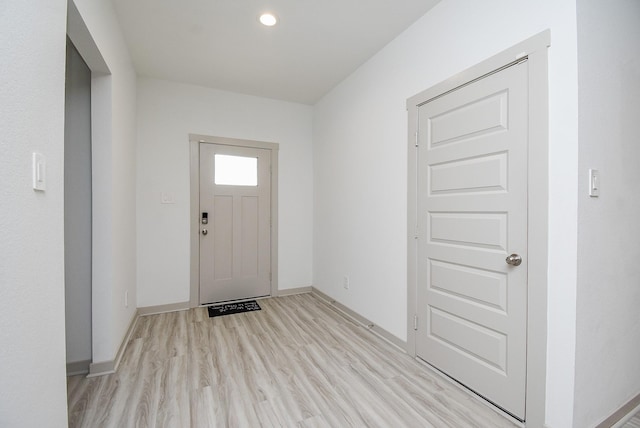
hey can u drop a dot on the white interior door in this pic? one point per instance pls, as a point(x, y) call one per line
point(235, 222)
point(472, 214)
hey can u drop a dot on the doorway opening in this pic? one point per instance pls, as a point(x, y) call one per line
point(77, 212)
point(99, 143)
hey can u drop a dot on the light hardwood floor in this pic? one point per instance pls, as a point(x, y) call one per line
point(297, 362)
point(634, 422)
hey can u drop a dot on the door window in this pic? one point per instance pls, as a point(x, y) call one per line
point(235, 170)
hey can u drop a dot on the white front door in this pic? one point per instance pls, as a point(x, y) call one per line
point(235, 222)
point(472, 214)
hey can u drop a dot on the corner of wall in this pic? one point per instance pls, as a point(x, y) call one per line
point(99, 39)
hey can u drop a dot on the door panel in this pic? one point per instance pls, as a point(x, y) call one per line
point(472, 213)
point(479, 117)
point(481, 174)
point(235, 252)
point(471, 339)
point(486, 230)
point(250, 234)
point(472, 285)
point(222, 229)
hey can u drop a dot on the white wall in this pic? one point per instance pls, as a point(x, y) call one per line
point(167, 113)
point(360, 172)
point(32, 332)
point(114, 190)
point(608, 329)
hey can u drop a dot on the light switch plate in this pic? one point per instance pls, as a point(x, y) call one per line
point(594, 183)
point(167, 198)
point(39, 172)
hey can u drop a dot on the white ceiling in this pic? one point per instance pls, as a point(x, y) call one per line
point(221, 44)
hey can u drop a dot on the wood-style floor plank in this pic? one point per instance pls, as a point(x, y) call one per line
point(634, 422)
point(295, 363)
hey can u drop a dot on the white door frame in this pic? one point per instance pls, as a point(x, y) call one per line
point(535, 49)
point(194, 214)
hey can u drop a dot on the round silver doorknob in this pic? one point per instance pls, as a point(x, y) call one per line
point(205, 231)
point(514, 260)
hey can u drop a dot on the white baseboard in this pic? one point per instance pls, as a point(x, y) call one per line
point(401, 344)
point(160, 309)
point(622, 415)
point(102, 368)
point(293, 291)
point(78, 368)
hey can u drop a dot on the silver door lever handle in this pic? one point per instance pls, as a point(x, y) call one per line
point(514, 260)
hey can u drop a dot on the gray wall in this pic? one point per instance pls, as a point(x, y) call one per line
point(77, 207)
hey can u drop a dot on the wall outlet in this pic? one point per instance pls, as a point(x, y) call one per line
point(126, 298)
point(345, 282)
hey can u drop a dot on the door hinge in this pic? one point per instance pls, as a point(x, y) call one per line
point(416, 135)
point(415, 322)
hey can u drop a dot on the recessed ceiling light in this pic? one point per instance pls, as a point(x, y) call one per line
point(268, 19)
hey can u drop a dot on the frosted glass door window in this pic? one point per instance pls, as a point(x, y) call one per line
point(236, 170)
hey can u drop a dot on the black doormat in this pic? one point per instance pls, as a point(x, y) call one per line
point(233, 308)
